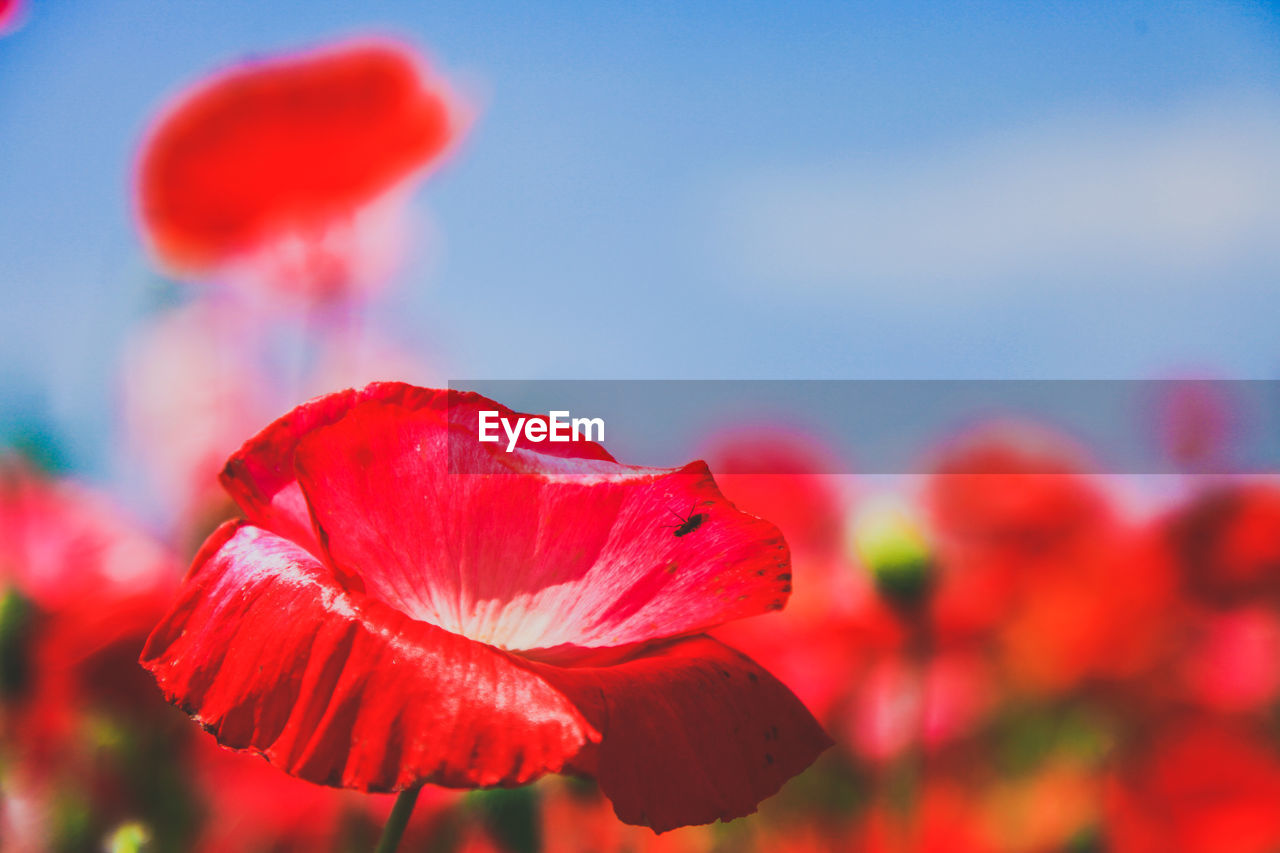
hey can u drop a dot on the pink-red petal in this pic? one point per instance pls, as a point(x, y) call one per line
point(692, 732)
point(261, 478)
point(530, 552)
point(270, 655)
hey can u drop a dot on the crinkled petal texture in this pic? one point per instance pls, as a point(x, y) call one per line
point(268, 652)
point(380, 619)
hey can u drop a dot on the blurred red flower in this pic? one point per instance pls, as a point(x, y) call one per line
point(80, 589)
point(287, 157)
point(1009, 504)
point(379, 621)
point(815, 644)
point(946, 820)
point(1226, 543)
point(1032, 554)
point(897, 706)
point(1197, 786)
point(575, 818)
point(93, 586)
point(251, 806)
point(1230, 664)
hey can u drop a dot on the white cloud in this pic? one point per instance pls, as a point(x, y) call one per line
point(1179, 196)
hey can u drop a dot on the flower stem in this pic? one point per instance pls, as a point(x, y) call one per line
point(398, 820)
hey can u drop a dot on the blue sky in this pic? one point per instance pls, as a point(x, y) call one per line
point(767, 190)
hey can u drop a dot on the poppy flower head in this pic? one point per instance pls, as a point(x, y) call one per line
point(1231, 665)
point(1009, 506)
point(539, 611)
point(80, 589)
point(1225, 544)
point(1198, 786)
point(1015, 484)
point(284, 157)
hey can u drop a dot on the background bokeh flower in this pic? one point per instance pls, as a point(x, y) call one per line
point(293, 168)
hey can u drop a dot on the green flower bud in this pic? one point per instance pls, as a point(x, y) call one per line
point(890, 542)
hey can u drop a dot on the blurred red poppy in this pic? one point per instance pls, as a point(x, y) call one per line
point(1008, 505)
point(1198, 786)
point(1230, 664)
point(91, 585)
point(379, 621)
point(1225, 543)
point(898, 707)
point(80, 589)
point(946, 820)
point(814, 644)
point(287, 155)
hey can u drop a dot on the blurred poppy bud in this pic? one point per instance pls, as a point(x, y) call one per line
point(16, 621)
point(890, 542)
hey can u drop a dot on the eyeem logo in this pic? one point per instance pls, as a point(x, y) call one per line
point(558, 427)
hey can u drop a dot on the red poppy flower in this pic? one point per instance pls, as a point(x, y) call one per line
point(287, 155)
point(1225, 543)
point(1009, 507)
point(1200, 786)
point(1230, 664)
point(80, 589)
point(947, 819)
point(378, 621)
point(94, 586)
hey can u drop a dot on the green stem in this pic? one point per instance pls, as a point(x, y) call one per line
point(398, 820)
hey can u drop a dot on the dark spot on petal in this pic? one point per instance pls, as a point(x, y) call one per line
point(768, 758)
point(755, 679)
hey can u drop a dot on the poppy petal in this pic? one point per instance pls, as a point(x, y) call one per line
point(260, 476)
point(267, 652)
point(692, 732)
point(562, 555)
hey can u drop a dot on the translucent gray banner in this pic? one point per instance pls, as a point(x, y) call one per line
point(1166, 426)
